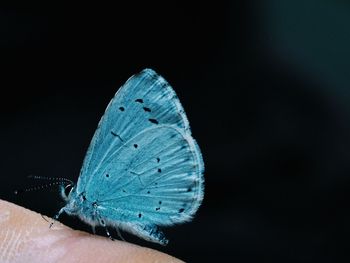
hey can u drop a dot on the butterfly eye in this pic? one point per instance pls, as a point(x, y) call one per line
point(68, 189)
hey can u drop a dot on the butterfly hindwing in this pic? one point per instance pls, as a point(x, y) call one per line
point(154, 178)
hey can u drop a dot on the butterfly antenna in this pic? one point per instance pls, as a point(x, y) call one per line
point(38, 187)
point(54, 181)
point(57, 179)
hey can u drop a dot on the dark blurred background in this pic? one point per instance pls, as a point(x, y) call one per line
point(266, 87)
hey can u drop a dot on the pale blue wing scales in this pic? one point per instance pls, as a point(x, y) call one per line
point(146, 99)
point(154, 178)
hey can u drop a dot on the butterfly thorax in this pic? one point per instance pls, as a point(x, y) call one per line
point(78, 204)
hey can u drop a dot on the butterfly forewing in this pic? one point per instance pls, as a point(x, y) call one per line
point(144, 101)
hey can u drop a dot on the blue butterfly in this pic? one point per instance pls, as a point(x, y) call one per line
point(143, 169)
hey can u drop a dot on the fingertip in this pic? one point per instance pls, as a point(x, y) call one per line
point(24, 235)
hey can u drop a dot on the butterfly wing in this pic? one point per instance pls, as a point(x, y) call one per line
point(143, 168)
point(145, 100)
point(154, 178)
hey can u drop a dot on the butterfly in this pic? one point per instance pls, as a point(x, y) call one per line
point(143, 169)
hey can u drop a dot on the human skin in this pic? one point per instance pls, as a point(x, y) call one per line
point(26, 237)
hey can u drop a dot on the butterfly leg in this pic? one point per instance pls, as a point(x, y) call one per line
point(57, 216)
point(103, 224)
point(120, 234)
point(44, 218)
point(93, 230)
point(108, 234)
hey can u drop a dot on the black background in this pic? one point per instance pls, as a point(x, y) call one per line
point(266, 87)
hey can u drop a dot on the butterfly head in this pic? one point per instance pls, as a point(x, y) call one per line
point(77, 204)
point(67, 191)
point(72, 198)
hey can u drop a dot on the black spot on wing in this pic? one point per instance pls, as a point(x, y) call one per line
point(153, 121)
point(116, 135)
point(159, 170)
point(146, 109)
point(158, 159)
point(135, 146)
point(139, 100)
point(121, 108)
point(181, 210)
